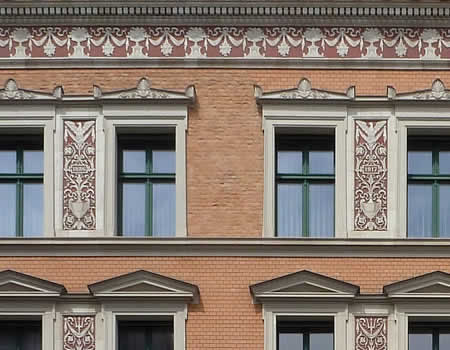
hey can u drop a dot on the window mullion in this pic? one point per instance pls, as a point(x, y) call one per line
point(435, 341)
point(435, 192)
point(305, 199)
point(306, 339)
point(19, 193)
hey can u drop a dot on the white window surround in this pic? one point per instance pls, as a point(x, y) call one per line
point(173, 117)
point(41, 117)
point(304, 107)
point(424, 118)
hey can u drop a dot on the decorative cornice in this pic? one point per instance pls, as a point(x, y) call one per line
point(401, 46)
point(142, 93)
point(304, 91)
point(438, 92)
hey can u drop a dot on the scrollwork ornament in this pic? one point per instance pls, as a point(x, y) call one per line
point(371, 333)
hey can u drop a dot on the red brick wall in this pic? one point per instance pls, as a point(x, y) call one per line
point(226, 317)
point(225, 139)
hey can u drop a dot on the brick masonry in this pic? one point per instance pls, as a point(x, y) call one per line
point(225, 139)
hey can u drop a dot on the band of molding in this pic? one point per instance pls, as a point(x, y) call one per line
point(79, 333)
point(146, 42)
point(79, 175)
point(371, 172)
point(371, 333)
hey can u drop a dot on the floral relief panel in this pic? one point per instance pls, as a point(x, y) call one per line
point(225, 42)
point(79, 333)
point(79, 175)
point(371, 333)
point(371, 171)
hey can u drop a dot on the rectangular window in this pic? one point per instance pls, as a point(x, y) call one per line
point(304, 186)
point(21, 186)
point(297, 334)
point(147, 185)
point(145, 335)
point(20, 335)
point(428, 187)
point(428, 336)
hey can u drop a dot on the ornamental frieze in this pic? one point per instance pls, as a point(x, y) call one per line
point(371, 333)
point(79, 175)
point(224, 42)
point(371, 171)
point(79, 333)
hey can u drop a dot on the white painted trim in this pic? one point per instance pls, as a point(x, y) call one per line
point(40, 116)
point(423, 117)
point(336, 310)
point(303, 116)
point(157, 116)
point(113, 310)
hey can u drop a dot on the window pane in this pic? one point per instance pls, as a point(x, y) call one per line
point(420, 341)
point(444, 210)
point(289, 210)
point(132, 338)
point(133, 210)
point(321, 210)
point(8, 209)
point(134, 161)
point(31, 338)
point(419, 210)
point(321, 341)
point(321, 162)
point(289, 162)
point(33, 209)
point(163, 209)
point(8, 162)
point(7, 339)
point(419, 162)
point(290, 341)
point(164, 162)
point(33, 162)
point(444, 341)
point(444, 162)
point(138, 335)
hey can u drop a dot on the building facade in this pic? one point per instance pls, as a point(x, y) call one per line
point(217, 175)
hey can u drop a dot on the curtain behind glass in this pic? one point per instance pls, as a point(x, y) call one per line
point(289, 210)
point(7, 209)
point(419, 210)
point(163, 209)
point(419, 341)
point(444, 210)
point(133, 210)
point(33, 209)
point(321, 210)
point(290, 341)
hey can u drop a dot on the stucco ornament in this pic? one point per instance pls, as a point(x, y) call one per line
point(371, 175)
point(305, 91)
point(79, 333)
point(143, 90)
point(437, 92)
point(146, 42)
point(79, 175)
point(371, 333)
point(12, 92)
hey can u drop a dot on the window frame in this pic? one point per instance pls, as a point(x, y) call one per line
point(20, 143)
point(143, 142)
point(434, 327)
point(27, 119)
point(435, 178)
point(24, 323)
point(138, 119)
point(423, 119)
point(305, 116)
point(306, 328)
point(305, 178)
point(146, 324)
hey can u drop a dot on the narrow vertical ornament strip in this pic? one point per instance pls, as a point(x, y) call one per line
point(371, 333)
point(79, 175)
point(371, 174)
point(79, 333)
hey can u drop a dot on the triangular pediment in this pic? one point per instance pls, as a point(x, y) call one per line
point(434, 284)
point(303, 92)
point(11, 92)
point(145, 284)
point(14, 283)
point(303, 284)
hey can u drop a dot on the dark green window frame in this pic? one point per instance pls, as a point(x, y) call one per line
point(305, 144)
point(306, 328)
point(435, 328)
point(148, 325)
point(435, 145)
point(17, 329)
point(20, 144)
point(149, 143)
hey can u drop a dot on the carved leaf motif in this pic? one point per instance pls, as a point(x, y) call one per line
point(371, 333)
point(79, 333)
